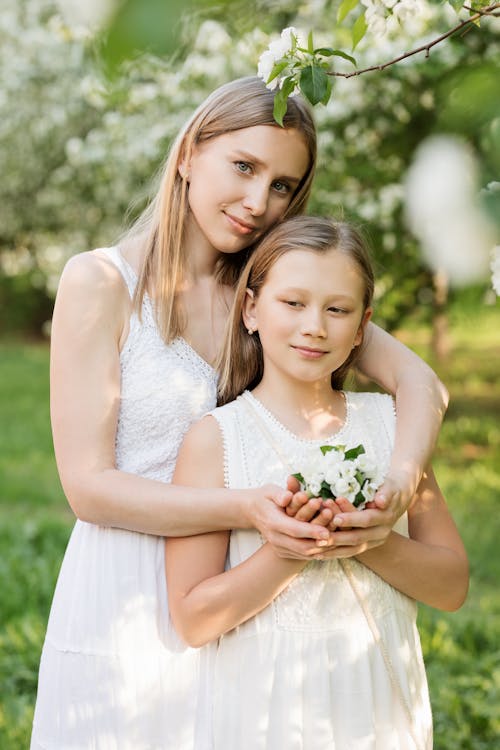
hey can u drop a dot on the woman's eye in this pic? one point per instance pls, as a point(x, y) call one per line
point(293, 303)
point(243, 167)
point(281, 187)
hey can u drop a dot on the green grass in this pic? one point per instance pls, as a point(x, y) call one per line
point(462, 650)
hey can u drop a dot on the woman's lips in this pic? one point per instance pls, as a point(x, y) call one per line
point(240, 226)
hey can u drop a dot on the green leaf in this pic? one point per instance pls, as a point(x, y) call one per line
point(345, 56)
point(280, 106)
point(358, 30)
point(310, 43)
point(345, 8)
point(328, 92)
point(326, 491)
point(327, 448)
point(299, 477)
point(313, 83)
point(281, 99)
point(457, 4)
point(354, 452)
point(278, 68)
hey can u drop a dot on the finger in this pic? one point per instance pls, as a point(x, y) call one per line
point(356, 537)
point(309, 509)
point(324, 517)
point(293, 484)
point(296, 549)
point(363, 519)
point(299, 499)
point(295, 529)
point(279, 496)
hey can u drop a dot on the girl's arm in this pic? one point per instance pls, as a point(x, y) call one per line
point(431, 566)
point(90, 324)
point(204, 600)
point(421, 401)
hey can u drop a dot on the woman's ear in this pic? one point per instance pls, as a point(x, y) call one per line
point(183, 169)
point(364, 320)
point(249, 311)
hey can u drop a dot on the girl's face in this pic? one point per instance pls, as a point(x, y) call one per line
point(241, 183)
point(309, 314)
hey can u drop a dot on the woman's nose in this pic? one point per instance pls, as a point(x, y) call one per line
point(256, 198)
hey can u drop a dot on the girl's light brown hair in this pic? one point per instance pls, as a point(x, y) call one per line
point(241, 363)
point(242, 103)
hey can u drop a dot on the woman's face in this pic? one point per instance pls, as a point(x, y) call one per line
point(241, 183)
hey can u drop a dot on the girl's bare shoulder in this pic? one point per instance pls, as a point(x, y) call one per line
point(93, 271)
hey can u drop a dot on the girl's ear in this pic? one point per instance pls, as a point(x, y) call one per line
point(249, 312)
point(364, 320)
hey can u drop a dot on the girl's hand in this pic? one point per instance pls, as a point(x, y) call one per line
point(390, 502)
point(297, 538)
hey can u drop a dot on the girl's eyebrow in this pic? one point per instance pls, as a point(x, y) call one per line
point(301, 290)
point(247, 156)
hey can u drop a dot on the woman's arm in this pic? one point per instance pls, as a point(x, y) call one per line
point(90, 323)
point(421, 401)
point(431, 566)
point(204, 600)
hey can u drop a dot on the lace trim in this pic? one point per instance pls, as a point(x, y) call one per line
point(305, 441)
point(186, 352)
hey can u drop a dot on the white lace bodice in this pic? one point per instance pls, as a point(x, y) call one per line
point(164, 389)
point(310, 601)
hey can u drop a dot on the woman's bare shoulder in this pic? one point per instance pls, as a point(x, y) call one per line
point(92, 270)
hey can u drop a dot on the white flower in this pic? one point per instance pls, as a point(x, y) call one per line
point(443, 212)
point(355, 478)
point(285, 44)
point(265, 66)
point(495, 269)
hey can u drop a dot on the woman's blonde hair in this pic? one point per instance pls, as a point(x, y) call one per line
point(241, 363)
point(242, 103)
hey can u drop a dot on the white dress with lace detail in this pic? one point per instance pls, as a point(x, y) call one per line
point(113, 674)
point(305, 673)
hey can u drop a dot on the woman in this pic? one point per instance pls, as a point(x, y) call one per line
point(135, 331)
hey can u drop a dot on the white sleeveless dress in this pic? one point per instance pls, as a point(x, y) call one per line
point(305, 673)
point(113, 674)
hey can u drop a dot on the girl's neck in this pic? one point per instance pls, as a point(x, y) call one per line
point(310, 411)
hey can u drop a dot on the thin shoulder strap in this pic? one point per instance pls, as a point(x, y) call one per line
point(127, 272)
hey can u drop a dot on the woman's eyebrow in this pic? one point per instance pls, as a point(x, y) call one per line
point(247, 156)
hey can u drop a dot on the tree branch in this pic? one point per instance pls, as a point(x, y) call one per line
point(488, 11)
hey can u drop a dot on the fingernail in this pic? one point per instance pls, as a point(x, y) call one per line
point(338, 521)
point(322, 543)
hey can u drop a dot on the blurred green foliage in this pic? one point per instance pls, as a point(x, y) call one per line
point(81, 148)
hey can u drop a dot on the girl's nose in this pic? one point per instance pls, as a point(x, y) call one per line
point(256, 198)
point(313, 323)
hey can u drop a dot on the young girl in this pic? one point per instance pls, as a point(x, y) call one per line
point(135, 331)
point(323, 655)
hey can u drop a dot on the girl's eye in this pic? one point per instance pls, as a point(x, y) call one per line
point(293, 303)
point(338, 310)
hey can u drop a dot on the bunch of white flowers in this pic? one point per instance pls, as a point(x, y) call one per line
point(280, 55)
point(382, 15)
point(332, 471)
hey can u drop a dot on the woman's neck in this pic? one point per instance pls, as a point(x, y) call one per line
point(310, 410)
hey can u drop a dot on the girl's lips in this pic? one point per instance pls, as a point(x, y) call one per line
point(240, 226)
point(309, 353)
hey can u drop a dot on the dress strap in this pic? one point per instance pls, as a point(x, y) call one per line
point(127, 272)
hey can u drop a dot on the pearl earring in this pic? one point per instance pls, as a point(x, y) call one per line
point(250, 331)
